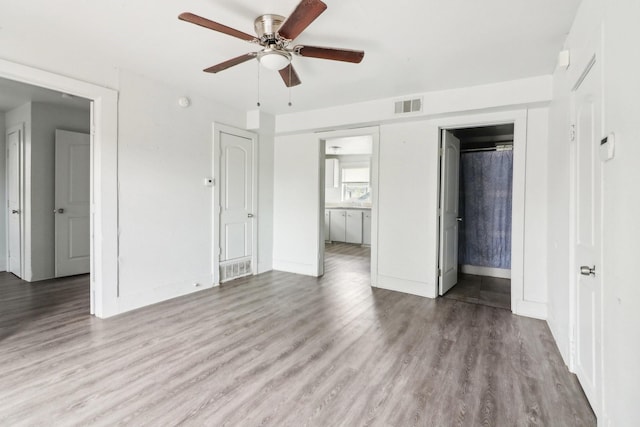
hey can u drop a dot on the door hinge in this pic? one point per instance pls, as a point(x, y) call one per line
point(441, 151)
point(572, 132)
point(439, 272)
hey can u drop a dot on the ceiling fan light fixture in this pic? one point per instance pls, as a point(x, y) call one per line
point(273, 59)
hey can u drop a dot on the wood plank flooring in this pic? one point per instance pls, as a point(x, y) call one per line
point(485, 290)
point(279, 349)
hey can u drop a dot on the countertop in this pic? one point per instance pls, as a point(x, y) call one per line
point(339, 206)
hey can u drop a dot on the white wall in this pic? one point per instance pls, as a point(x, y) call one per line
point(296, 210)
point(3, 200)
point(535, 232)
point(504, 95)
point(407, 204)
point(39, 186)
point(165, 213)
point(621, 204)
point(265, 125)
point(407, 208)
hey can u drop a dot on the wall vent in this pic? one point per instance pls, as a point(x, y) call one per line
point(408, 106)
point(230, 270)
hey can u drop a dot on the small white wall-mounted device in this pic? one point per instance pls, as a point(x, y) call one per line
point(184, 102)
point(564, 59)
point(607, 147)
point(208, 182)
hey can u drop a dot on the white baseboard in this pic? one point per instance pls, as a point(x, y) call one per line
point(407, 286)
point(486, 271)
point(128, 302)
point(536, 310)
point(295, 267)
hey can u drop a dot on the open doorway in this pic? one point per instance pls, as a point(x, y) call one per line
point(348, 200)
point(46, 190)
point(476, 214)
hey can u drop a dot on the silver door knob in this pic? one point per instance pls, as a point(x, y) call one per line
point(459, 219)
point(60, 210)
point(15, 211)
point(250, 215)
point(585, 270)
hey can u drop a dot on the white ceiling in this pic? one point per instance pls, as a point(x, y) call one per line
point(411, 46)
point(349, 145)
point(14, 94)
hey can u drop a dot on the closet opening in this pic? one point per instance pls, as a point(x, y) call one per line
point(476, 190)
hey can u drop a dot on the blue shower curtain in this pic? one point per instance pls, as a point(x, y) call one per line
point(485, 206)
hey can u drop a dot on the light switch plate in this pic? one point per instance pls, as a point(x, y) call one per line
point(607, 147)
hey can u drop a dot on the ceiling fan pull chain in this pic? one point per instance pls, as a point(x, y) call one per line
point(258, 103)
point(290, 68)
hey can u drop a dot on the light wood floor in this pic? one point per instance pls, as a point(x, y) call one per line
point(281, 350)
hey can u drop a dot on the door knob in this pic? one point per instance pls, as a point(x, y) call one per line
point(459, 219)
point(60, 210)
point(15, 211)
point(585, 270)
point(250, 215)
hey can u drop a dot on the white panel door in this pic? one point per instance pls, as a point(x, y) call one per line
point(14, 213)
point(72, 198)
point(588, 116)
point(236, 197)
point(449, 186)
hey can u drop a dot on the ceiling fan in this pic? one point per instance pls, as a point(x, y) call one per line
point(274, 34)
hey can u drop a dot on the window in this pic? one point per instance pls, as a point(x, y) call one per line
point(355, 184)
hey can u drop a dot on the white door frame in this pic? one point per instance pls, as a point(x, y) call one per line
point(374, 132)
point(519, 119)
point(104, 172)
point(218, 129)
point(20, 128)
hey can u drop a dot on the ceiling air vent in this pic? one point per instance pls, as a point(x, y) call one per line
point(408, 106)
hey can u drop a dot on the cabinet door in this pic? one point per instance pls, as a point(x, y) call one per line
point(327, 226)
point(366, 228)
point(331, 173)
point(338, 226)
point(354, 227)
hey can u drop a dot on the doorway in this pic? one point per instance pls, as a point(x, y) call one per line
point(47, 184)
point(235, 203)
point(348, 164)
point(347, 198)
point(476, 214)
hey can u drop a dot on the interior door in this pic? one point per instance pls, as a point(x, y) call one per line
point(236, 203)
point(588, 119)
point(14, 213)
point(449, 187)
point(72, 198)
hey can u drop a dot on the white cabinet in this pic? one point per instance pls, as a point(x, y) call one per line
point(338, 219)
point(331, 173)
point(354, 227)
point(348, 225)
point(366, 228)
point(327, 225)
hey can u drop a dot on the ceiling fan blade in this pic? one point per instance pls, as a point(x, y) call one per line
point(304, 14)
point(345, 55)
point(230, 63)
point(289, 76)
point(204, 22)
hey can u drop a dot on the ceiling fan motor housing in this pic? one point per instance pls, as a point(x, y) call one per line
point(267, 26)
